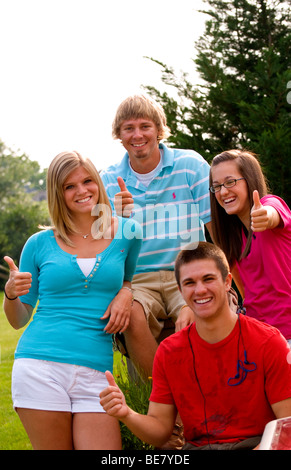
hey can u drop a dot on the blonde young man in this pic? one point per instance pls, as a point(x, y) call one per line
point(166, 190)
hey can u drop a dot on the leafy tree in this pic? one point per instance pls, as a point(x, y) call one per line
point(22, 203)
point(243, 59)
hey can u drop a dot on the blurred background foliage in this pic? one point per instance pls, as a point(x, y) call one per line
point(22, 203)
point(242, 99)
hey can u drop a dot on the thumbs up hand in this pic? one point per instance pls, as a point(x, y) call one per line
point(123, 200)
point(256, 199)
point(112, 399)
point(18, 283)
point(261, 216)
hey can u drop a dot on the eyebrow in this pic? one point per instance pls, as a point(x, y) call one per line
point(132, 121)
point(203, 277)
point(74, 182)
point(225, 178)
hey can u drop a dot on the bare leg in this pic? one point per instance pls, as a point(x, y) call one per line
point(52, 430)
point(140, 342)
point(47, 430)
point(96, 431)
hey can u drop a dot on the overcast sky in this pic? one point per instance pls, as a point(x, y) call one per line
point(67, 64)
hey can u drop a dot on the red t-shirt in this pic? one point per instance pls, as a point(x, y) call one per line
point(201, 387)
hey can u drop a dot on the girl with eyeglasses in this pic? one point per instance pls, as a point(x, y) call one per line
point(253, 228)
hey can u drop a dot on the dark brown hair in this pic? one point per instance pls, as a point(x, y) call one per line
point(202, 250)
point(227, 229)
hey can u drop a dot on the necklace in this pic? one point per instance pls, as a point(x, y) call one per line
point(86, 236)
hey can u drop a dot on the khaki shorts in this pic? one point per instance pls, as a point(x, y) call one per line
point(161, 300)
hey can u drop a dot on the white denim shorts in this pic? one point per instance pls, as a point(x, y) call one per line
point(53, 386)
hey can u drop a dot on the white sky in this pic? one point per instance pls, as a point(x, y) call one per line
point(67, 64)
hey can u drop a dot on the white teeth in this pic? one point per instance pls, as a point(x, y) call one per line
point(203, 301)
point(226, 201)
point(84, 200)
point(138, 145)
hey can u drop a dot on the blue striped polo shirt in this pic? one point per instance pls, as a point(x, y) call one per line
point(172, 210)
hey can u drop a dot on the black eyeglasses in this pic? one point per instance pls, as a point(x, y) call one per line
point(227, 184)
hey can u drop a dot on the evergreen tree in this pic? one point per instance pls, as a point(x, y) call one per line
point(243, 59)
point(22, 204)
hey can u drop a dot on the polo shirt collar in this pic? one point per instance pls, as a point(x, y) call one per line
point(168, 156)
point(130, 178)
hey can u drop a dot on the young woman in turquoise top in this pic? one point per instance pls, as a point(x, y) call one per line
point(79, 271)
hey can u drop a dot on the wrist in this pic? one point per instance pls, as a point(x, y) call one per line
point(126, 287)
point(130, 290)
point(128, 417)
point(7, 297)
point(184, 306)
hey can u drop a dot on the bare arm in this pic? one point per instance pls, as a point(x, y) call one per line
point(119, 310)
point(282, 409)
point(156, 427)
point(18, 314)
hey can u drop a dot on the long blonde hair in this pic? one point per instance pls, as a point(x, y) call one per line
point(61, 166)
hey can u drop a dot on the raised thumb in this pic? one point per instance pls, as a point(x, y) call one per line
point(256, 199)
point(121, 184)
point(110, 378)
point(11, 264)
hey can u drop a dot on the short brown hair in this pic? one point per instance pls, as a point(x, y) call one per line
point(204, 250)
point(140, 106)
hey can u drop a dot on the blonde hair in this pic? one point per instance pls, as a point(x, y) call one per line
point(141, 106)
point(60, 168)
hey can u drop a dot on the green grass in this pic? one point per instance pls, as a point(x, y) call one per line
point(136, 395)
point(12, 433)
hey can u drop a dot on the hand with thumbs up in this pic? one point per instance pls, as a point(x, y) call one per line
point(123, 200)
point(112, 399)
point(17, 313)
point(263, 217)
point(18, 283)
point(155, 427)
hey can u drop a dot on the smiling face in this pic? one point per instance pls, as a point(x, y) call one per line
point(234, 200)
point(140, 138)
point(204, 289)
point(81, 193)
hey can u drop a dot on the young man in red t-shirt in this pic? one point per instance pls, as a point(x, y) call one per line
point(226, 374)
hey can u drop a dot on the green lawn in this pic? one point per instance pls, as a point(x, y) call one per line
point(12, 434)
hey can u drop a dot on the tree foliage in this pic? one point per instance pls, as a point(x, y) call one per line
point(22, 203)
point(243, 59)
